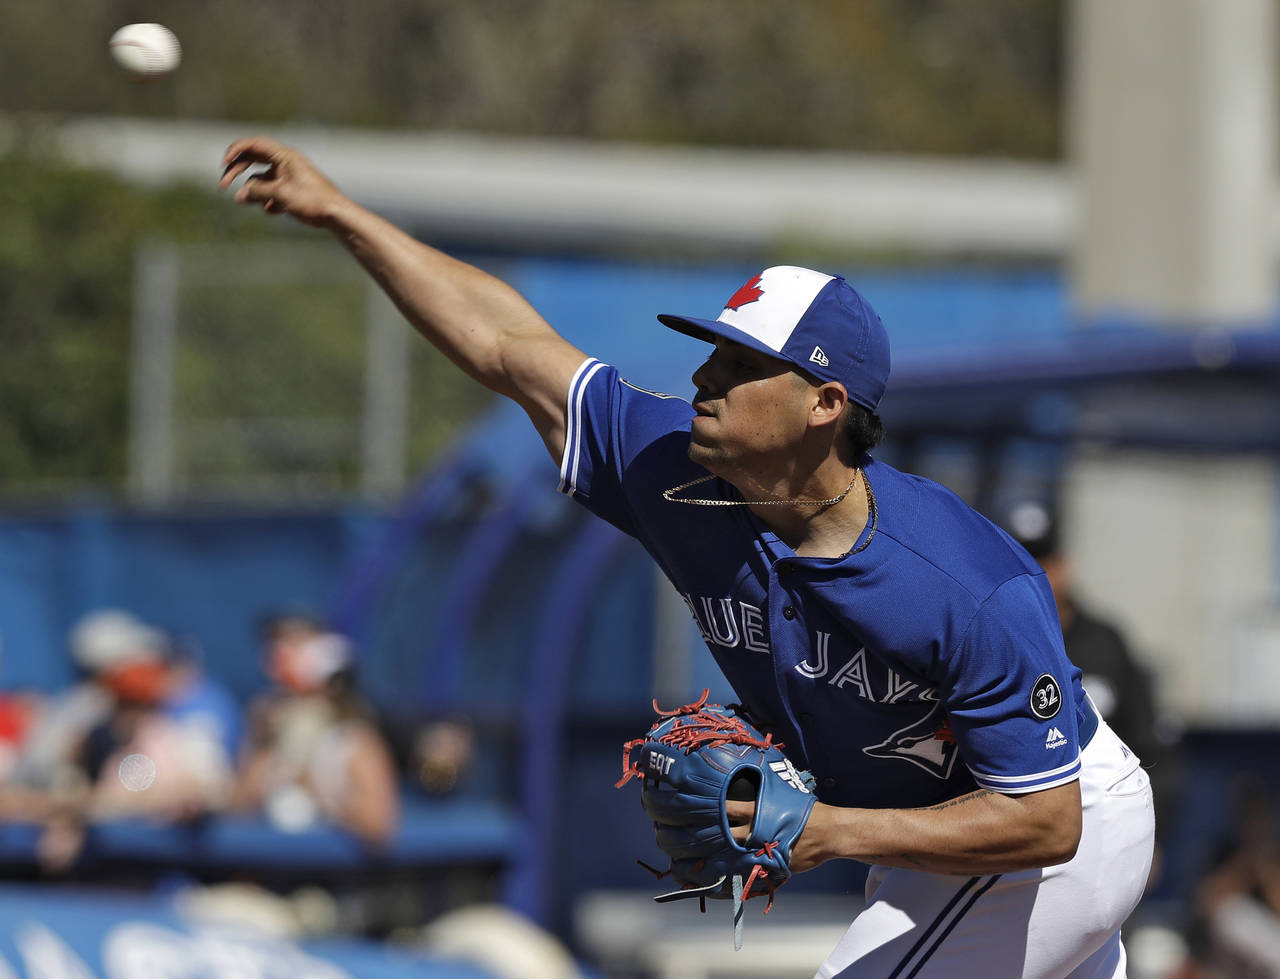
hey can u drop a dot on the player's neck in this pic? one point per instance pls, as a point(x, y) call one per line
point(829, 531)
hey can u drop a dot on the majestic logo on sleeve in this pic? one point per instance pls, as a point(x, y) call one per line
point(1046, 697)
point(747, 294)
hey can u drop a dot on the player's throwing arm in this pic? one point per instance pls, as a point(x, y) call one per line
point(479, 322)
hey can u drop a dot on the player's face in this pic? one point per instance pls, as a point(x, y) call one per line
point(750, 407)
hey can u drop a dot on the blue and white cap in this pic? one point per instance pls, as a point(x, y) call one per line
point(815, 321)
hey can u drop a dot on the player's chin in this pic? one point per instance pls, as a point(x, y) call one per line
point(702, 450)
point(715, 461)
point(702, 431)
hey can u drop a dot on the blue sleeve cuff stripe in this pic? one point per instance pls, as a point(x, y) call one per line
point(1030, 783)
point(1074, 763)
point(1038, 786)
point(571, 457)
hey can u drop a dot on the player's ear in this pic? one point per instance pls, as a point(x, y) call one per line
point(828, 404)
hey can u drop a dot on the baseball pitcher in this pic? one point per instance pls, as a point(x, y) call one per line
point(904, 651)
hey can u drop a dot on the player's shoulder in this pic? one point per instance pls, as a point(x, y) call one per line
point(934, 527)
point(622, 434)
point(599, 382)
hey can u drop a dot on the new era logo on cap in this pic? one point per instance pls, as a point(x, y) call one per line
point(818, 322)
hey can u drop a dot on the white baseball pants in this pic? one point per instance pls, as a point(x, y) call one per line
point(1055, 923)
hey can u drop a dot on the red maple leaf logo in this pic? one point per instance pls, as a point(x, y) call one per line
point(747, 294)
point(945, 734)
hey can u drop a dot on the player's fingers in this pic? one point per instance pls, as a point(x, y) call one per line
point(251, 146)
point(255, 188)
point(739, 813)
point(258, 189)
point(241, 165)
point(740, 834)
point(245, 153)
point(232, 171)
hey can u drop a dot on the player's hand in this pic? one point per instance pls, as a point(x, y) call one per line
point(740, 815)
point(291, 184)
point(805, 852)
point(810, 849)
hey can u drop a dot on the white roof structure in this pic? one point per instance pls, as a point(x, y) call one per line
point(566, 192)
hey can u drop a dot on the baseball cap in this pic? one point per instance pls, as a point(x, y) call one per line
point(815, 321)
point(321, 657)
point(308, 666)
point(109, 638)
point(1033, 525)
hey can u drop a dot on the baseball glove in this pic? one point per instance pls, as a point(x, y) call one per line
point(692, 760)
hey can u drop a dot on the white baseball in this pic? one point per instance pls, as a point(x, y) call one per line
point(146, 50)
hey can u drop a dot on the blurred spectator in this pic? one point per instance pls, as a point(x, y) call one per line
point(168, 749)
point(1237, 928)
point(52, 759)
point(315, 752)
point(1120, 686)
point(46, 780)
point(443, 754)
point(143, 733)
point(18, 714)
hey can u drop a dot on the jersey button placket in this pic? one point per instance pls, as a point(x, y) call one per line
point(788, 643)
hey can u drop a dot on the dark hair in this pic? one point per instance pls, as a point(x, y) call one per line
point(862, 427)
point(273, 625)
point(345, 695)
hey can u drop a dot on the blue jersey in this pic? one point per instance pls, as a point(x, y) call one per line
point(926, 663)
point(204, 702)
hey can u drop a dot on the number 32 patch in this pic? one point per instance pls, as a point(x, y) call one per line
point(1046, 697)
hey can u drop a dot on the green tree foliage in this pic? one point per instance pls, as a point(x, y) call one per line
point(936, 76)
point(269, 363)
point(67, 240)
point(931, 76)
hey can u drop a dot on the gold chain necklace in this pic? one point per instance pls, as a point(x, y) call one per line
point(873, 511)
point(873, 514)
point(670, 496)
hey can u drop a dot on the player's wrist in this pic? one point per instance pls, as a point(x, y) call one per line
point(337, 213)
point(822, 838)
